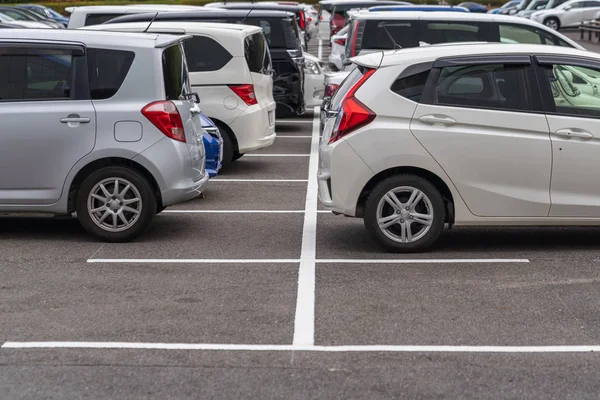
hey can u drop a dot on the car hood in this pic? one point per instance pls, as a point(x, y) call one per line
point(30, 24)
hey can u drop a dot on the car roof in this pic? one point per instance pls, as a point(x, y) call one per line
point(263, 6)
point(188, 27)
point(89, 37)
point(121, 8)
point(191, 15)
point(425, 7)
point(431, 53)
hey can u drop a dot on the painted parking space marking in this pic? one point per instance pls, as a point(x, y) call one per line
point(275, 155)
point(304, 321)
point(233, 180)
point(314, 260)
point(240, 211)
point(193, 261)
point(309, 348)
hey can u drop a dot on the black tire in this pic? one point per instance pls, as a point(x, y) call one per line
point(552, 21)
point(146, 194)
point(237, 156)
point(229, 147)
point(437, 205)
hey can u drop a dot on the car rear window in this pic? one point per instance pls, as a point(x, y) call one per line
point(280, 32)
point(107, 70)
point(98, 19)
point(175, 73)
point(205, 54)
point(257, 54)
point(404, 33)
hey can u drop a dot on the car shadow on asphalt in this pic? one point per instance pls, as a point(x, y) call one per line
point(50, 228)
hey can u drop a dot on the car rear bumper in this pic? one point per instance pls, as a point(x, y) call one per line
point(255, 128)
point(186, 190)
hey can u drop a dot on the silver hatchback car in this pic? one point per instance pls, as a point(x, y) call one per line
point(98, 123)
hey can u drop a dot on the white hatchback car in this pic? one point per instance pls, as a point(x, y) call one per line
point(569, 14)
point(96, 15)
point(493, 134)
point(338, 47)
point(230, 68)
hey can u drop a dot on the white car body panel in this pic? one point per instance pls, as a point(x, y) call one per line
point(501, 167)
point(253, 126)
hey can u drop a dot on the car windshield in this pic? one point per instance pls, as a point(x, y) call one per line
point(535, 4)
point(16, 15)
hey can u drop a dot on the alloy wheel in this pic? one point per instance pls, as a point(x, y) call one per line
point(405, 214)
point(114, 204)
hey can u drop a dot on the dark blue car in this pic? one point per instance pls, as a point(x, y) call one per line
point(46, 12)
point(474, 7)
point(213, 143)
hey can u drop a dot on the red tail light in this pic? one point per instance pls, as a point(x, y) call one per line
point(330, 89)
point(354, 114)
point(164, 115)
point(246, 93)
point(341, 42)
point(302, 22)
point(354, 36)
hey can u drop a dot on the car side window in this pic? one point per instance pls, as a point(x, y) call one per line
point(575, 90)
point(35, 74)
point(491, 86)
point(411, 86)
point(107, 70)
point(447, 32)
point(205, 54)
point(589, 4)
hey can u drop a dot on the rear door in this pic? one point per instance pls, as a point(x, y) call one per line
point(258, 58)
point(47, 120)
point(478, 122)
point(177, 89)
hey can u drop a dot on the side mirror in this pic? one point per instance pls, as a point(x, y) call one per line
point(568, 8)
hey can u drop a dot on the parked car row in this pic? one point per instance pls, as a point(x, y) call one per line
point(555, 14)
point(31, 16)
point(120, 91)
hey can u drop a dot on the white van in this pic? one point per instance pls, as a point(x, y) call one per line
point(230, 68)
point(96, 15)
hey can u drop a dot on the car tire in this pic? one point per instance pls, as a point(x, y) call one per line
point(411, 227)
point(237, 156)
point(229, 149)
point(552, 23)
point(97, 192)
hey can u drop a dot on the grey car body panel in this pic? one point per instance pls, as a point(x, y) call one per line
point(41, 168)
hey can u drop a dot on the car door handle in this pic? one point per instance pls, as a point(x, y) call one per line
point(574, 133)
point(75, 118)
point(437, 119)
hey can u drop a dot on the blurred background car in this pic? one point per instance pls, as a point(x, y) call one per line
point(314, 78)
point(506, 7)
point(46, 12)
point(213, 144)
point(569, 14)
point(474, 7)
point(338, 45)
point(534, 6)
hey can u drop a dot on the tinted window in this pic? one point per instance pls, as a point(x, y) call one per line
point(447, 32)
point(591, 4)
point(97, 19)
point(411, 86)
point(280, 32)
point(257, 54)
point(205, 54)
point(404, 33)
point(495, 86)
point(512, 33)
point(575, 90)
point(175, 73)
point(33, 74)
point(107, 70)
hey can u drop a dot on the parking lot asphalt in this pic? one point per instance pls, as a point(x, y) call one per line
point(219, 297)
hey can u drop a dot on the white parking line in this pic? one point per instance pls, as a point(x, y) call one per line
point(257, 180)
point(320, 50)
point(276, 155)
point(292, 137)
point(240, 211)
point(192, 261)
point(304, 321)
point(311, 348)
point(294, 121)
point(305, 285)
point(425, 261)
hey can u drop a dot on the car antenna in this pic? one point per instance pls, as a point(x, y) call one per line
point(396, 45)
point(151, 21)
point(246, 16)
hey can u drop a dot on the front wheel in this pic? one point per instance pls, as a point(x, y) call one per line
point(552, 23)
point(405, 213)
point(115, 204)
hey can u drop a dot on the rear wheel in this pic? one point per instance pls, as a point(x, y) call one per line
point(116, 204)
point(405, 213)
point(552, 23)
point(229, 147)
